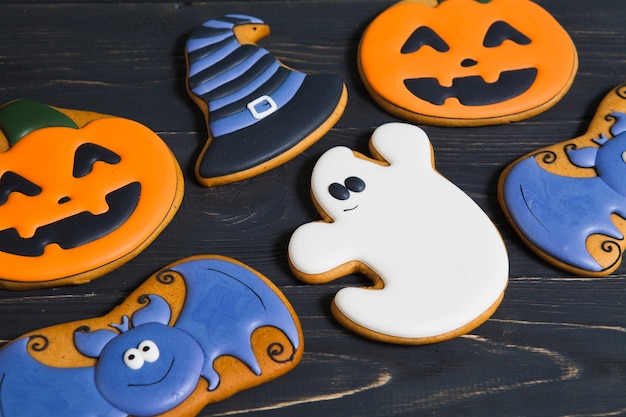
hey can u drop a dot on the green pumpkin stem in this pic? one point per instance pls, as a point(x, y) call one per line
point(19, 118)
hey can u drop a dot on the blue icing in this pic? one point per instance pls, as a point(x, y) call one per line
point(583, 157)
point(558, 213)
point(31, 389)
point(245, 118)
point(610, 164)
point(225, 304)
point(620, 123)
point(152, 386)
point(150, 367)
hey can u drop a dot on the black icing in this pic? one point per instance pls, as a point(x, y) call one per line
point(342, 192)
point(312, 105)
point(88, 154)
point(468, 62)
point(11, 182)
point(209, 49)
point(78, 229)
point(424, 36)
point(268, 87)
point(473, 90)
point(355, 184)
point(239, 82)
point(501, 31)
point(235, 58)
point(338, 191)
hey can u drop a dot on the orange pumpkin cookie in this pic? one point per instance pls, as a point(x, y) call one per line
point(80, 193)
point(466, 62)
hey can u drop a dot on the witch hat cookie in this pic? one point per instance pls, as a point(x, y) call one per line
point(568, 201)
point(194, 333)
point(80, 193)
point(259, 113)
point(437, 262)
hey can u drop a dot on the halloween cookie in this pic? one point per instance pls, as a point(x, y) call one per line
point(259, 113)
point(568, 201)
point(80, 193)
point(466, 62)
point(194, 333)
point(438, 264)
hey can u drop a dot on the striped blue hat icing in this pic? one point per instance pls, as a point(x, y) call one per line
point(250, 97)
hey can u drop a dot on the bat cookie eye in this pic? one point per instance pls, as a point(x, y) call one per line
point(149, 350)
point(133, 359)
point(624, 156)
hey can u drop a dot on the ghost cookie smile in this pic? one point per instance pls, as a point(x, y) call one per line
point(396, 220)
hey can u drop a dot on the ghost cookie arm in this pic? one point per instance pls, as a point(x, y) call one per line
point(399, 142)
point(315, 250)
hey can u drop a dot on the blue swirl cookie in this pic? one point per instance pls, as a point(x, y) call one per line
point(568, 201)
point(194, 333)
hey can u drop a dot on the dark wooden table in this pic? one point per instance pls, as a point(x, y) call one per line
point(555, 347)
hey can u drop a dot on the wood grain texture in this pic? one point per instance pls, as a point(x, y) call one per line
point(555, 347)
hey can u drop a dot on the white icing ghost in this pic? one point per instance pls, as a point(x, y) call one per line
point(439, 264)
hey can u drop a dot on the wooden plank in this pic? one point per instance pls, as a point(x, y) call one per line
point(555, 347)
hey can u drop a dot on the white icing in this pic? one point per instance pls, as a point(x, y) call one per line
point(149, 350)
point(442, 261)
point(146, 351)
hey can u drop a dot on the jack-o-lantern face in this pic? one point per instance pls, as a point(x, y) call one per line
point(76, 202)
point(463, 62)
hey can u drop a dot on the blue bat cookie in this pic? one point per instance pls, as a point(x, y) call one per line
point(157, 355)
point(568, 201)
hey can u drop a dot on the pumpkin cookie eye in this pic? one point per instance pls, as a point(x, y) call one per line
point(11, 182)
point(88, 154)
point(424, 36)
point(501, 31)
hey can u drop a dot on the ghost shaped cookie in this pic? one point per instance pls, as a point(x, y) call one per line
point(568, 201)
point(438, 264)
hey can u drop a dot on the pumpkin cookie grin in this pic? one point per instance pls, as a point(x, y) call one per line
point(474, 90)
point(78, 229)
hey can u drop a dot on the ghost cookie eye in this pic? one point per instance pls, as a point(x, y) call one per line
point(355, 184)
